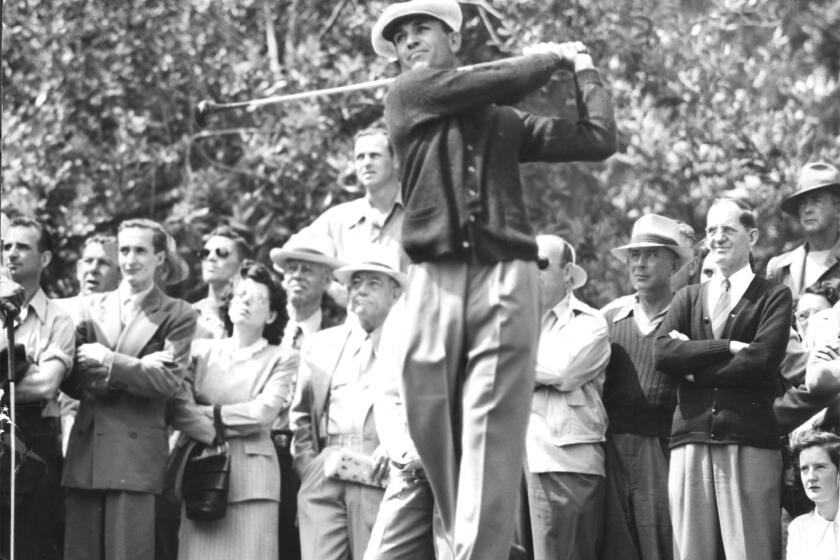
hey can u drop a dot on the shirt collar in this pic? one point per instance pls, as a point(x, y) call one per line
point(243, 354)
point(627, 308)
point(368, 212)
point(38, 304)
point(738, 280)
point(311, 324)
point(126, 295)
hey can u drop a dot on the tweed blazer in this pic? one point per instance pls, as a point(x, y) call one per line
point(119, 438)
point(731, 397)
point(320, 356)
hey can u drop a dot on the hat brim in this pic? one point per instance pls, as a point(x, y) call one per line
point(684, 254)
point(579, 277)
point(280, 256)
point(345, 273)
point(790, 205)
point(446, 11)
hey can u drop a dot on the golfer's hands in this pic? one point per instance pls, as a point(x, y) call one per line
point(572, 54)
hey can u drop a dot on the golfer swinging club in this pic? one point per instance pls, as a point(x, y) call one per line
point(472, 299)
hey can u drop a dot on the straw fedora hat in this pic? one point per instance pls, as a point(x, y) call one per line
point(653, 230)
point(309, 247)
point(813, 177)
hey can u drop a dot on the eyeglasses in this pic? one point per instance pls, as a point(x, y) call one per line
point(803, 315)
point(290, 267)
point(218, 251)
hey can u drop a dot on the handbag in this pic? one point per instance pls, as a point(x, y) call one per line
point(204, 486)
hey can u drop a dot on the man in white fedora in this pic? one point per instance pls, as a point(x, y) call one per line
point(332, 415)
point(307, 262)
point(473, 295)
point(640, 399)
point(565, 453)
point(816, 203)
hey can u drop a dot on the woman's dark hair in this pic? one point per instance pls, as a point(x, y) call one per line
point(825, 440)
point(258, 272)
point(824, 289)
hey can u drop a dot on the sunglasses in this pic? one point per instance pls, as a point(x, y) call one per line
point(218, 251)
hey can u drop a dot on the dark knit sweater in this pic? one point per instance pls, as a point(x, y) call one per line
point(731, 397)
point(459, 154)
point(639, 399)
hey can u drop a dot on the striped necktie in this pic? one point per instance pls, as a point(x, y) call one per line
point(721, 311)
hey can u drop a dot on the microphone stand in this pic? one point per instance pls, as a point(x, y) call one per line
point(8, 319)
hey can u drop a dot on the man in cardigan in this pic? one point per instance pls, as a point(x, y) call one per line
point(472, 298)
point(817, 205)
point(724, 341)
point(640, 399)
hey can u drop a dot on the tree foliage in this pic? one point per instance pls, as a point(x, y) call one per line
point(711, 96)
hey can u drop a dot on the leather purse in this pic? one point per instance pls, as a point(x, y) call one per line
point(206, 477)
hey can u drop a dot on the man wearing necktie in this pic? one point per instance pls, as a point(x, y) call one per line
point(724, 340)
point(132, 351)
point(333, 412)
point(307, 262)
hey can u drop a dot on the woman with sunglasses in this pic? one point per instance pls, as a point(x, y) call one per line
point(252, 378)
point(221, 258)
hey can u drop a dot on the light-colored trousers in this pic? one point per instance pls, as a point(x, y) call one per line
point(403, 528)
point(567, 515)
point(725, 502)
point(637, 523)
point(468, 377)
point(335, 517)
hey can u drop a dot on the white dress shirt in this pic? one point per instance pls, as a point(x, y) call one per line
point(812, 537)
point(738, 283)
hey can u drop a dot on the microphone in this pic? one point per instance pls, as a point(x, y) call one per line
point(12, 296)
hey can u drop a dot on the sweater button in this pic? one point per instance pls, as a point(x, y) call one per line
point(472, 218)
point(471, 169)
point(465, 244)
point(472, 192)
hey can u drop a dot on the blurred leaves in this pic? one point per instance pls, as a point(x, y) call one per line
point(98, 98)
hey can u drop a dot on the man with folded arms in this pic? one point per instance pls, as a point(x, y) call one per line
point(332, 416)
point(565, 453)
point(724, 341)
point(132, 351)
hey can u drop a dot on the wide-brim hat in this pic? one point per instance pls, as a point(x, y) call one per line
point(812, 177)
point(653, 230)
point(345, 273)
point(447, 11)
point(309, 247)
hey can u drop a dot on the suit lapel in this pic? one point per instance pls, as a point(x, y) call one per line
point(797, 268)
point(142, 326)
point(321, 383)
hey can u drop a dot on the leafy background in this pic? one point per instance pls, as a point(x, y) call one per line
point(98, 97)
